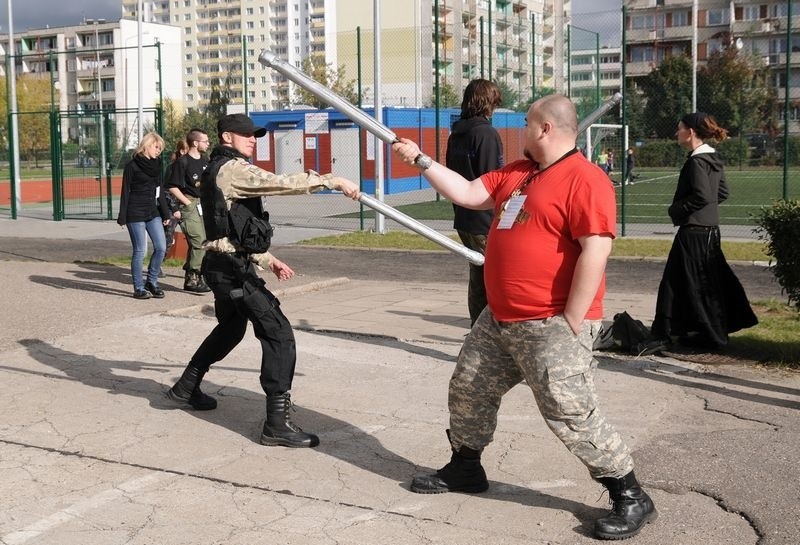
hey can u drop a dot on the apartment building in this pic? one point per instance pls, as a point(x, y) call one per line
point(657, 29)
point(595, 72)
point(517, 42)
point(95, 65)
point(222, 39)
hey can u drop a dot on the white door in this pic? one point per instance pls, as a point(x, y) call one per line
point(288, 151)
point(345, 153)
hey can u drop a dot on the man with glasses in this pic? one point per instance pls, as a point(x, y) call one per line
point(184, 185)
point(238, 237)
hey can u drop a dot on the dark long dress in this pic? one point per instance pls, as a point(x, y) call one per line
point(699, 297)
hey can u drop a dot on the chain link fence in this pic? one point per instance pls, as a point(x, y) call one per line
point(741, 85)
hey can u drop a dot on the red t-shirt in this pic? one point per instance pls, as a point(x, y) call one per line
point(528, 269)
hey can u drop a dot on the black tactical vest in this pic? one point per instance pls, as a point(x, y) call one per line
point(246, 223)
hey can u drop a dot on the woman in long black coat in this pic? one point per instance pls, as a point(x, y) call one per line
point(700, 300)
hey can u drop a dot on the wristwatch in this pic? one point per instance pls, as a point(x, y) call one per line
point(423, 162)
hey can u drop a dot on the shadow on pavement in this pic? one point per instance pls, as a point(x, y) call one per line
point(241, 411)
point(673, 379)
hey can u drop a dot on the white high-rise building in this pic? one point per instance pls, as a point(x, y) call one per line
point(95, 65)
point(520, 43)
point(214, 58)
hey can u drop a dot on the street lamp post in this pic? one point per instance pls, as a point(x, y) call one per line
point(101, 125)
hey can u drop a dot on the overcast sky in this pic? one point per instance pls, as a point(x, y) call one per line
point(41, 13)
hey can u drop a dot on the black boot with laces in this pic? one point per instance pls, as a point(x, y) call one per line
point(632, 509)
point(464, 473)
point(279, 430)
point(186, 394)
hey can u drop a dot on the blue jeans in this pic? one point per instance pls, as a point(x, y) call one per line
point(136, 230)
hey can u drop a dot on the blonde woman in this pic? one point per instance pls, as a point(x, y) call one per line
point(143, 210)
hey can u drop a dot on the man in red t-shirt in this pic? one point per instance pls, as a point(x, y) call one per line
point(555, 219)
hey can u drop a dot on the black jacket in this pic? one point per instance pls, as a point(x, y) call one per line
point(474, 148)
point(140, 180)
point(701, 187)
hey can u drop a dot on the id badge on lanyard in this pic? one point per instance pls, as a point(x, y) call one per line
point(510, 211)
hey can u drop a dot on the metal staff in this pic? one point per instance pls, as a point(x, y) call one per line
point(587, 121)
point(382, 132)
point(367, 122)
point(476, 258)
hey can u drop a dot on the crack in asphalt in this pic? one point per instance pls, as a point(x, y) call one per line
point(775, 427)
point(235, 484)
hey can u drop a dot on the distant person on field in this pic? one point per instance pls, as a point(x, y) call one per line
point(474, 148)
point(629, 164)
point(144, 211)
point(602, 160)
point(184, 185)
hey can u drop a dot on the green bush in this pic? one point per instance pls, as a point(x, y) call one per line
point(734, 151)
point(660, 154)
point(779, 226)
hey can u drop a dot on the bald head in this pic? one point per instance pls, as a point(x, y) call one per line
point(559, 111)
point(552, 128)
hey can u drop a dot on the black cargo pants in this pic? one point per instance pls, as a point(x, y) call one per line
point(240, 295)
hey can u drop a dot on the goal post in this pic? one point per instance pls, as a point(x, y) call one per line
point(597, 132)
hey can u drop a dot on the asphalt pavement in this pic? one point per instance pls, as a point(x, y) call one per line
point(91, 455)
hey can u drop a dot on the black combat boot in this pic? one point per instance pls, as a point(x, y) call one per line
point(279, 428)
point(193, 282)
point(632, 509)
point(187, 394)
point(464, 473)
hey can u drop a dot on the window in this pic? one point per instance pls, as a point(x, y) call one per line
point(189, 83)
point(680, 18)
point(188, 70)
point(585, 76)
point(719, 17)
point(188, 56)
point(187, 16)
point(640, 22)
point(782, 9)
point(751, 13)
point(187, 30)
point(610, 75)
point(249, 11)
point(190, 97)
point(582, 60)
point(715, 45)
point(641, 53)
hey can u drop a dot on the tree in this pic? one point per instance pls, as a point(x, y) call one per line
point(509, 95)
point(333, 78)
point(218, 101)
point(33, 98)
point(732, 87)
point(634, 112)
point(538, 93)
point(448, 97)
point(668, 94)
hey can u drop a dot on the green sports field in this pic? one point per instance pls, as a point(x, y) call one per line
point(647, 199)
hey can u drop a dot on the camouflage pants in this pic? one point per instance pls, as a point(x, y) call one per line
point(558, 367)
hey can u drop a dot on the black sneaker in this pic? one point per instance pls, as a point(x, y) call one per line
point(157, 292)
point(142, 294)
